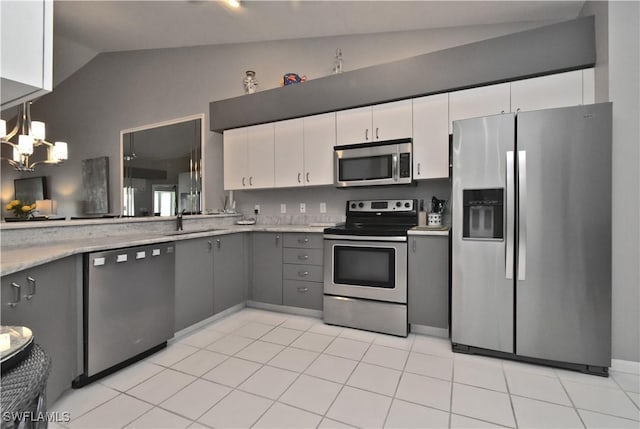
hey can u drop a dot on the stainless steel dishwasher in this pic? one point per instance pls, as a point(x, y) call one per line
point(128, 307)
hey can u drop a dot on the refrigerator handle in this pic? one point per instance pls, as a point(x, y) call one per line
point(510, 224)
point(522, 214)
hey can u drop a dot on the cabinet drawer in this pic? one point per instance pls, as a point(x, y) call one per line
point(303, 256)
point(302, 294)
point(310, 273)
point(303, 240)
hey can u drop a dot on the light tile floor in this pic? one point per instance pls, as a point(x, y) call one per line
point(262, 369)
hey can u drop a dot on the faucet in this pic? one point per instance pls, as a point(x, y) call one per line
point(179, 220)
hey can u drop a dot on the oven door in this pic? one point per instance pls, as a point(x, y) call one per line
point(366, 267)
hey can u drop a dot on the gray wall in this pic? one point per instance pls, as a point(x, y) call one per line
point(624, 91)
point(117, 91)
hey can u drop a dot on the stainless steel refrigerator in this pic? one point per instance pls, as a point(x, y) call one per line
point(531, 236)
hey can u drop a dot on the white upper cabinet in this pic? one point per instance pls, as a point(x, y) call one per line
point(249, 157)
point(369, 124)
point(260, 150)
point(236, 163)
point(547, 92)
point(482, 101)
point(319, 140)
point(289, 153)
point(391, 120)
point(26, 38)
point(353, 126)
point(431, 137)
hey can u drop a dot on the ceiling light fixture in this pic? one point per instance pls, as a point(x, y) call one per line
point(31, 134)
point(233, 3)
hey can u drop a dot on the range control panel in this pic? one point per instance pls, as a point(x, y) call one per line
point(381, 206)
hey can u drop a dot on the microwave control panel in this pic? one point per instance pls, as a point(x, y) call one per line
point(404, 167)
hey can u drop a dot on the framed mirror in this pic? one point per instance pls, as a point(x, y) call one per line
point(161, 166)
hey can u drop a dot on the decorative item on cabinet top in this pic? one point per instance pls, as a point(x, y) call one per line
point(250, 82)
point(290, 78)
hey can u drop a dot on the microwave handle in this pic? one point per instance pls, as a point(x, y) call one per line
point(394, 168)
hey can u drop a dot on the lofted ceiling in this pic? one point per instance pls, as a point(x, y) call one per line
point(83, 29)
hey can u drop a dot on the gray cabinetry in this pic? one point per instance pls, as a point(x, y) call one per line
point(266, 267)
point(229, 271)
point(428, 294)
point(47, 305)
point(194, 281)
point(302, 270)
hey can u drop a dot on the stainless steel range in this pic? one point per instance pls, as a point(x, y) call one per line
point(365, 272)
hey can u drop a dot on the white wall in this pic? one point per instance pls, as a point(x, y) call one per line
point(118, 91)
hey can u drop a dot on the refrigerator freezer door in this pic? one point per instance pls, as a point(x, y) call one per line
point(482, 295)
point(563, 307)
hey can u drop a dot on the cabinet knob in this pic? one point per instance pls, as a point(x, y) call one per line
point(366, 134)
point(32, 282)
point(243, 184)
point(303, 273)
point(209, 246)
point(303, 240)
point(303, 257)
point(16, 288)
point(303, 289)
point(218, 243)
point(377, 136)
point(418, 169)
point(250, 180)
point(308, 178)
point(299, 177)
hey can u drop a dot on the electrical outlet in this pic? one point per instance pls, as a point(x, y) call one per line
point(303, 208)
point(323, 207)
point(283, 208)
point(256, 209)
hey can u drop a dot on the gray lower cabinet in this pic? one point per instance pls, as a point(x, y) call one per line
point(428, 294)
point(303, 270)
point(46, 302)
point(229, 271)
point(194, 281)
point(266, 267)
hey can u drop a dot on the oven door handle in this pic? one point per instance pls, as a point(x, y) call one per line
point(363, 238)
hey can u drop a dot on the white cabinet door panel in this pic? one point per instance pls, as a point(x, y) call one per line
point(235, 159)
point(475, 102)
point(261, 156)
point(354, 126)
point(392, 120)
point(547, 92)
point(319, 140)
point(431, 137)
point(289, 153)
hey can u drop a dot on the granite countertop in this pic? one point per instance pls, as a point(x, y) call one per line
point(19, 257)
point(428, 230)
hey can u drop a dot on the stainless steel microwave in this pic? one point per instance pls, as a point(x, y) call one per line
point(381, 163)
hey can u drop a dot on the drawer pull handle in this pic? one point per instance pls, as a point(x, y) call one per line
point(303, 257)
point(303, 240)
point(218, 243)
point(32, 282)
point(303, 273)
point(303, 289)
point(16, 287)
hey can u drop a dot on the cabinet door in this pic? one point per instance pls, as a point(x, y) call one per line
point(319, 140)
point(266, 285)
point(261, 156)
point(235, 159)
point(289, 153)
point(229, 271)
point(428, 294)
point(194, 281)
point(431, 137)
point(547, 92)
point(475, 102)
point(27, 65)
point(353, 126)
point(392, 120)
point(50, 313)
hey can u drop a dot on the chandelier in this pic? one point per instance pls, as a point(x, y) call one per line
point(31, 134)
